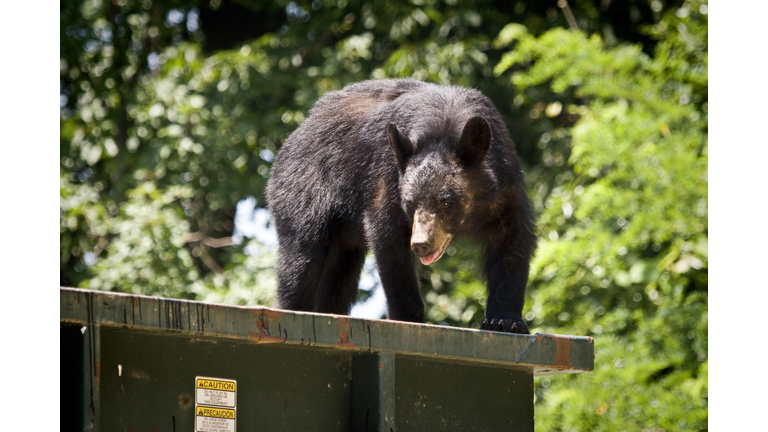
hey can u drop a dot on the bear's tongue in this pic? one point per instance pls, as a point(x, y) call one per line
point(427, 260)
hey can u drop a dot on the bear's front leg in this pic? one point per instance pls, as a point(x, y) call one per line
point(395, 264)
point(506, 268)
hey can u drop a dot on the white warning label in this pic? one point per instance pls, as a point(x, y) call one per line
point(215, 404)
point(215, 392)
point(209, 419)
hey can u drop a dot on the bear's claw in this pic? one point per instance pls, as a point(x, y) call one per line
point(503, 325)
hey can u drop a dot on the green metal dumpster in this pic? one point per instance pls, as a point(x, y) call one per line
point(138, 363)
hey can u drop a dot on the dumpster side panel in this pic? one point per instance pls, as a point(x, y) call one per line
point(147, 383)
point(439, 396)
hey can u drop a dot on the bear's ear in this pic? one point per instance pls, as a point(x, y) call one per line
point(401, 145)
point(475, 141)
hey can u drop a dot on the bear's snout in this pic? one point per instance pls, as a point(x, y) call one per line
point(421, 236)
point(428, 239)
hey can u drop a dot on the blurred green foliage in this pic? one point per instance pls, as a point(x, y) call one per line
point(172, 111)
point(624, 250)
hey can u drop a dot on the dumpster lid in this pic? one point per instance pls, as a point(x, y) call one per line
point(542, 354)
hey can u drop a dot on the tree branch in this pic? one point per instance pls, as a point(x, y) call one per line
point(217, 242)
point(563, 4)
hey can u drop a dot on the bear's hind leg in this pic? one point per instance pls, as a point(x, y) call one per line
point(337, 287)
point(299, 268)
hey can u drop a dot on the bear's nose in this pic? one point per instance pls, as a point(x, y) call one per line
point(420, 249)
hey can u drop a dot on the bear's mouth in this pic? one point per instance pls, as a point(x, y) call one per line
point(429, 259)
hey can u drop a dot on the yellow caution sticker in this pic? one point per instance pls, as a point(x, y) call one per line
point(215, 404)
point(215, 392)
point(209, 419)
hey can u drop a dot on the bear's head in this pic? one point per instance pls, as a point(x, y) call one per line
point(444, 182)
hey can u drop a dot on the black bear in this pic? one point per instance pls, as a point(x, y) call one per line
point(401, 167)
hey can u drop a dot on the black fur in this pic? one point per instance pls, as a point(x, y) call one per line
point(380, 160)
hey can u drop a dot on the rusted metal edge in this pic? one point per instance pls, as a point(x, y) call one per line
point(543, 354)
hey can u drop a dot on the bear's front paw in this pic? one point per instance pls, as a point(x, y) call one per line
point(508, 325)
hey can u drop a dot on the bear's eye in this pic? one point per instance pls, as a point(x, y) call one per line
point(409, 204)
point(446, 204)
